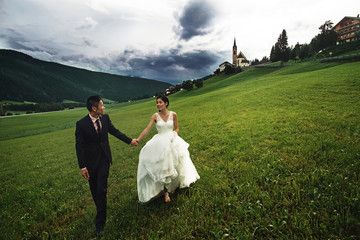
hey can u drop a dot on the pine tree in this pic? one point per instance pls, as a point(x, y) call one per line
point(188, 85)
point(272, 54)
point(281, 50)
point(295, 51)
point(283, 47)
point(305, 51)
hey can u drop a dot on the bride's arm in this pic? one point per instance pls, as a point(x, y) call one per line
point(176, 125)
point(148, 128)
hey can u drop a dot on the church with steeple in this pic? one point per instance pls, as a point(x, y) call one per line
point(238, 60)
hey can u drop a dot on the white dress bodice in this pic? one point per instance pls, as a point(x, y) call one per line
point(164, 126)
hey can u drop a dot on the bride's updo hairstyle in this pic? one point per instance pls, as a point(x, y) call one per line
point(164, 99)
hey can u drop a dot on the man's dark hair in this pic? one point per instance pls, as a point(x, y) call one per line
point(93, 101)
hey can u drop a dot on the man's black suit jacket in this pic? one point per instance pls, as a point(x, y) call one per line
point(89, 143)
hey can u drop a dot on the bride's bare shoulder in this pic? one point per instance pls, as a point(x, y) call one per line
point(154, 117)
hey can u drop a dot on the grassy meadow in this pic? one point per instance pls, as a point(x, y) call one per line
point(277, 150)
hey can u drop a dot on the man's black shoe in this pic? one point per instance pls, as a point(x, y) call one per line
point(99, 230)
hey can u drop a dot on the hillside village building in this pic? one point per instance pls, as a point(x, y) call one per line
point(348, 29)
point(223, 65)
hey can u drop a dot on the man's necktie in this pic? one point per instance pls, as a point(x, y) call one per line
point(98, 126)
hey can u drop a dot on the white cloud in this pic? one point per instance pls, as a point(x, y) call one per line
point(88, 23)
point(97, 6)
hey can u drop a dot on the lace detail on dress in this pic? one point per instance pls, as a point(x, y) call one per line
point(159, 118)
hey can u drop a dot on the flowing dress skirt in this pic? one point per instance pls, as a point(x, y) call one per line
point(164, 161)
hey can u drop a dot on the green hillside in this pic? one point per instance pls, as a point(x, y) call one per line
point(24, 78)
point(277, 151)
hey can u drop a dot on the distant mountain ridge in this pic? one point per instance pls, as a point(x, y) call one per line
point(23, 78)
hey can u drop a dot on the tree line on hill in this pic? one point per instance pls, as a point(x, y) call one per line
point(283, 53)
point(8, 109)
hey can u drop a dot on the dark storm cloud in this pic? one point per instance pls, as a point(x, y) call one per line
point(168, 66)
point(89, 43)
point(173, 68)
point(195, 19)
point(14, 39)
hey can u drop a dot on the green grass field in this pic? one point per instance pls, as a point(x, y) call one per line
point(277, 151)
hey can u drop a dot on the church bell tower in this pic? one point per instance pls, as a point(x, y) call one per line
point(234, 54)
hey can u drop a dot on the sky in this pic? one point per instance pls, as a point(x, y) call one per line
point(165, 40)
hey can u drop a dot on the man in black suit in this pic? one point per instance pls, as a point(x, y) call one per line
point(94, 155)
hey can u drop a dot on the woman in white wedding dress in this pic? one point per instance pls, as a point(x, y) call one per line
point(164, 161)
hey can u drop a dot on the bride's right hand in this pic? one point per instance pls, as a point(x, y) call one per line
point(174, 136)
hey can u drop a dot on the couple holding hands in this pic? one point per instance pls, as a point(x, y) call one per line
point(164, 161)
